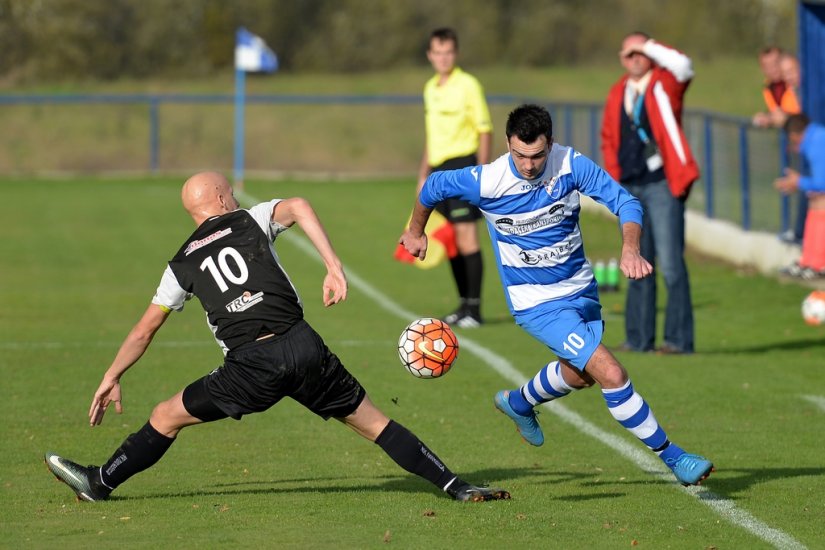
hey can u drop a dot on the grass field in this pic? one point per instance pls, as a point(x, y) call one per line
point(82, 258)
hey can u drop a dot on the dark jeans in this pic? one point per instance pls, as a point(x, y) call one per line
point(663, 245)
point(801, 215)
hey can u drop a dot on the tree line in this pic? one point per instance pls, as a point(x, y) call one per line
point(53, 40)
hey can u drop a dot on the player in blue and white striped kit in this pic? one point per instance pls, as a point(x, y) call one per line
point(530, 198)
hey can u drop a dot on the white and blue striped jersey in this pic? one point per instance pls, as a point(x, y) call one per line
point(534, 224)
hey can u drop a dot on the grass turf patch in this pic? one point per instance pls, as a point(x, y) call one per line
point(83, 258)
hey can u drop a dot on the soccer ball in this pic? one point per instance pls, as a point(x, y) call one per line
point(813, 308)
point(428, 348)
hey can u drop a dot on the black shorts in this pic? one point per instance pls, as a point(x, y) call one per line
point(456, 210)
point(257, 375)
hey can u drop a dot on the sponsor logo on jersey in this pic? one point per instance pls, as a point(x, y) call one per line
point(244, 302)
point(554, 190)
point(194, 245)
point(533, 257)
point(521, 227)
point(529, 259)
point(547, 184)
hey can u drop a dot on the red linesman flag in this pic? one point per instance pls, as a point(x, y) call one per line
point(440, 243)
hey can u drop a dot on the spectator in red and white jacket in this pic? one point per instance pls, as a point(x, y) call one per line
point(645, 149)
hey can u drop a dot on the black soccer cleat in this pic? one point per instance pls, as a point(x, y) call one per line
point(452, 318)
point(470, 493)
point(82, 479)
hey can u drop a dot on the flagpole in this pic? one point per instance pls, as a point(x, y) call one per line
point(251, 54)
point(240, 99)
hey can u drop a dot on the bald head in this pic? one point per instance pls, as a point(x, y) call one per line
point(207, 194)
point(631, 56)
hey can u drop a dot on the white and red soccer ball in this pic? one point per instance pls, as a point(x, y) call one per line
point(428, 348)
point(813, 308)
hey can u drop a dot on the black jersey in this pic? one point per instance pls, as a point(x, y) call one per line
point(230, 264)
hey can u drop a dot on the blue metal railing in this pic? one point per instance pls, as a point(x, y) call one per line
point(728, 161)
point(707, 173)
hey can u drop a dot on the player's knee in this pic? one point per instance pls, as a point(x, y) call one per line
point(613, 375)
point(604, 368)
point(367, 420)
point(576, 378)
point(166, 418)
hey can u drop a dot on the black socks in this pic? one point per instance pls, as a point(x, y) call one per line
point(468, 272)
point(411, 454)
point(474, 270)
point(141, 450)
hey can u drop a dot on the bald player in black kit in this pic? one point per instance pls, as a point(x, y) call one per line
point(271, 352)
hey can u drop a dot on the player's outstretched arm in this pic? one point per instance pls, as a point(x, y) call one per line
point(632, 264)
point(298, 210)
point(130, 351)
point(414, 239)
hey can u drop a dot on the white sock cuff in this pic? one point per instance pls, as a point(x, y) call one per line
point(613, 390)
point(556, 379)
point(103, 482)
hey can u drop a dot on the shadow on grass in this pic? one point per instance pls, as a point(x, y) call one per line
point(388, 483)
point(738, 480)
point(792, 345)
point(726, 484)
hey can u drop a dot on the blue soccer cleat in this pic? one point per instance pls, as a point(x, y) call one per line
point(527, 426)
point(690, 469)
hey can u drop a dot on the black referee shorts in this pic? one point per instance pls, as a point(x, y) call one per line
point(257, 375)
point(456, 210)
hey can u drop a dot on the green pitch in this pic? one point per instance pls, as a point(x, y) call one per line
point(81, 260)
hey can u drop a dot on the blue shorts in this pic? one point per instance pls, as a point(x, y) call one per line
point(571, 328)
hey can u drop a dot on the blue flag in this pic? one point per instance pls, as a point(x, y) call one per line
point(252, 54)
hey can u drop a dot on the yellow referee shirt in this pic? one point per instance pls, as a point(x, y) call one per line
point(455, 113)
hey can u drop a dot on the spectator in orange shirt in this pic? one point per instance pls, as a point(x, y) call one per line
point(774, 86)
point(780, 105)
point(789, 105)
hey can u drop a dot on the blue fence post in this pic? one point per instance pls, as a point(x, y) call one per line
point(744, 177)
point(154, 134)
point(240, 100)
point(707, 173)
point(568, 126)
point(785, 201)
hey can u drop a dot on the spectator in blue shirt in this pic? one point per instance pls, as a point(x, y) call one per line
point(808, 139)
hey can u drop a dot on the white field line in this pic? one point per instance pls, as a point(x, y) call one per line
point(817, 400)
point(633, 452)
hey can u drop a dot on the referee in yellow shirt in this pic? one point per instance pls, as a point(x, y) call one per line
point(458, 134)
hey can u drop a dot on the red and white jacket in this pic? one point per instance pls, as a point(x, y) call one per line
point(671, 75)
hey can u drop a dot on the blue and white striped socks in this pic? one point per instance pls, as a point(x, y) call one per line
point(546, 386)
point(627, 407)
point(633, 412)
